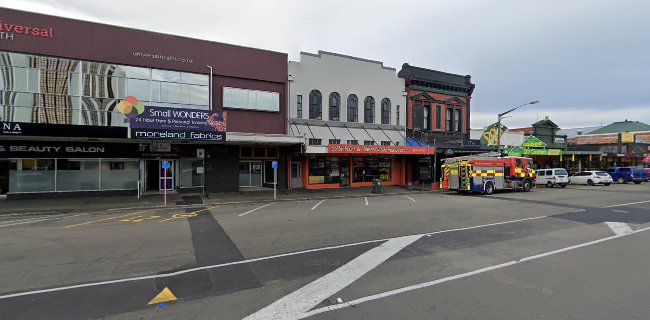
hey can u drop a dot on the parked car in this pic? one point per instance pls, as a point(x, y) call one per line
point(552, 177)
point(647, 174)
point(628, 174)
point(591, 178)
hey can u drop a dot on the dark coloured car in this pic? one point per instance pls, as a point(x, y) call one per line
point(628, 174)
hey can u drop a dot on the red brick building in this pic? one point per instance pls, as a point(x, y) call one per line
point(437, 114)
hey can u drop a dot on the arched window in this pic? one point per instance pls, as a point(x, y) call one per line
point(369, 110)
point(353, 108)
point(315, 105)
point(385, 111)
point(335, 106)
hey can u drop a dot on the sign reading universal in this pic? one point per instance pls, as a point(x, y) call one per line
point(9, 30)
point(153, 122)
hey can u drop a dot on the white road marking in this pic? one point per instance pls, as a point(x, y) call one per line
point(318, 204)
point(619, 228)
point(446, 196)
point(620, 211)
point(386, 294)
point(366, 198)
point(407, 197)
point(292, 306)
point(626, 204)
point(215, 266)
point(247, 212)
point(34, 220)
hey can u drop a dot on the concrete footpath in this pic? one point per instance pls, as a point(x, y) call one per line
point(9, 208)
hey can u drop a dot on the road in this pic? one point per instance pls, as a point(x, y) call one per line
point(574, 253)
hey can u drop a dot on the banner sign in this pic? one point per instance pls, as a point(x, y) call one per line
point(152, 122)
point(60, 130)
point(358, 149)
point(67, 149)
point(490, 136)
point(627, 137)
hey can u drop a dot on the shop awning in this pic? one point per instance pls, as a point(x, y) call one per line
point(415, 143)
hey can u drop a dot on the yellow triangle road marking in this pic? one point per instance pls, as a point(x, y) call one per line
point(163, 296)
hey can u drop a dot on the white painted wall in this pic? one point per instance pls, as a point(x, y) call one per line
point(327, 73)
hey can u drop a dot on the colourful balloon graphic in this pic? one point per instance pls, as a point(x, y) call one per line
point(130, 107)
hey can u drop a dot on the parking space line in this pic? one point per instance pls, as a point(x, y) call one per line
point(106, 219)
point(366, 198)
point(247, 212)
point(318, 204)
point(620, 211)
point(407, 197)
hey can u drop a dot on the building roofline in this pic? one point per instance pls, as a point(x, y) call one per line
point(467, 76)
point(143, 30)
point(321, 52)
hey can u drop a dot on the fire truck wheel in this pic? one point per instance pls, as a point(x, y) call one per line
point(527, 185)
point(489, 188)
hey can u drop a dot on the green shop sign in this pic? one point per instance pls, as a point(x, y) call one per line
point(532, 152)
point(533, 142)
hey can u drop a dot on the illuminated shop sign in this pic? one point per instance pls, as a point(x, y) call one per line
point(358, 149)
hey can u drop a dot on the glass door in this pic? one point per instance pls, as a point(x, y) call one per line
point(256, 173)
point(250, 173)
point(166, 174)
point(344, 167)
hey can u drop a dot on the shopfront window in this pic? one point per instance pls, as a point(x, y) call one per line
point(31, 175)
point(365, 169)
point(324, 170)
point(191, 172)
point(119, 174)
point(77, 175)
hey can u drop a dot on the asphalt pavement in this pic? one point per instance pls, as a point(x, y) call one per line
point(574, 253)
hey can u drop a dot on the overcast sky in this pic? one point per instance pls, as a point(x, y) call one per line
point(587, 60)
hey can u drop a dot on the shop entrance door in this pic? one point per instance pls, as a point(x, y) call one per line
point(296, 175)
point(344, 169)
point(155, 179)
point(4, 177)
point(250, 173)
point(166, 175)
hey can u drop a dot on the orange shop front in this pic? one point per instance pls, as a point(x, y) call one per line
point(357, 165)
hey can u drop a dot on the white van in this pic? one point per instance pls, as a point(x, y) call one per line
point(552, 177)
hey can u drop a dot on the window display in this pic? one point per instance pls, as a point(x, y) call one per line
point(368, 168)
point(324, 170)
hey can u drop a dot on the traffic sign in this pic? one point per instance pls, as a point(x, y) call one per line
point(165, 164)
point(274, 164)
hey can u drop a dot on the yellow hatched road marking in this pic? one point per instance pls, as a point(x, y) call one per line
point(187, 214)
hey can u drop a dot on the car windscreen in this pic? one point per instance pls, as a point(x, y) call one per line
point(560, 172)
point(602, 173)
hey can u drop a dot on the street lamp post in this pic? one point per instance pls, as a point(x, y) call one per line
point(499, 122)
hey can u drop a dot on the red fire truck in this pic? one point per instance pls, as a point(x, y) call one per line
point(487, 173)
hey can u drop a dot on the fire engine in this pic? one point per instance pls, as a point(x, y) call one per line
point(487, 173)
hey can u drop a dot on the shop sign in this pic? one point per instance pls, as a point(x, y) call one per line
point(559, 140)
point(152, 122)
point(533, 152)
point(490, 136)
point(533, 142)
point(627, 137)
point(358, 149)
point(60, 130)
point(59, 149)
point(316, 179)
point(8, 31)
